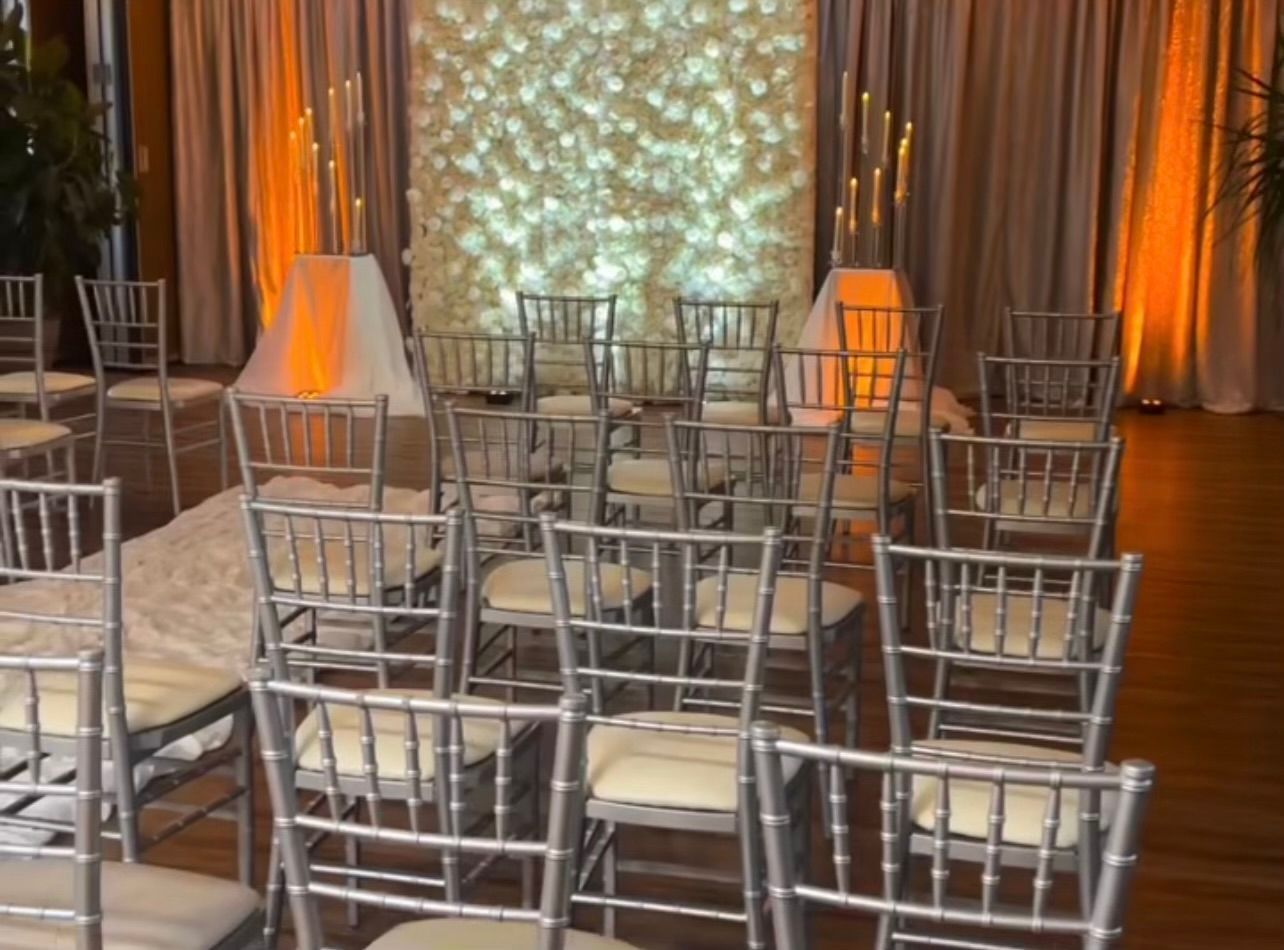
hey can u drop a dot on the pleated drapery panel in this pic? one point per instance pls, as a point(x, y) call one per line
point(1065, 158)
point(244, 70)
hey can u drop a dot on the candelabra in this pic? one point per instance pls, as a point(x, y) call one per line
point(889, 196)
point(328, 213)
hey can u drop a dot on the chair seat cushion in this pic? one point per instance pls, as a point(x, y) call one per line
point(1026, 806)
point(481, 737)
point(147, 389)
point(652, 477)
point(858, 492)
point(29, 433)
point(540, 468)
point(522, 586)
point(670, 769)
point(580, 406)
point(738, 412)
point(788, 612)
point(23, 383)
point(1058, 430)
point(982, 608)
point(156, 694)
point(1034, 498)
point(909, 421)
point(463, 934)
point(145, 907)
point(336, 558)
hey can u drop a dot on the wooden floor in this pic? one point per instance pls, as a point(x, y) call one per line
point(1203, 499)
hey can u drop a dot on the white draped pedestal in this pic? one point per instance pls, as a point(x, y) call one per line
point(869, 287)
point(336, 334)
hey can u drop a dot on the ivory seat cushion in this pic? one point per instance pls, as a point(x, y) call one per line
point(1026, 805)
point(738, 412)
point(145, 907)
point(1054, 629)
point(1059, 430)
point(29, 433)
point(522, 586)
point(23, 383)
point(147, 389)
point(854, 491)
point(156, 694)
point(789, 609)
point(1028, 499)
point(580, 406)
point(481, 737)
point(670, 769)
point(653, 477)
point(336, 556)
point(541, 466)
point(909, 421)
point(461, 934)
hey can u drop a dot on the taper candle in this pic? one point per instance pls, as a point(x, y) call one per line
point(902, 171)
point(334, 209)
point(314, 213)
point(838, 234)
point(864, 123)
point(876, 214)
point(358, 227)
point(887, 138)
point(842, 115)
point(295, 206)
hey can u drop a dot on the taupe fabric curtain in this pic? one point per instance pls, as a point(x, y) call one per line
point(1065, 159)
point(243, 71)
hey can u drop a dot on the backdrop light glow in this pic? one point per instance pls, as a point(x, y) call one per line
point(590, 146)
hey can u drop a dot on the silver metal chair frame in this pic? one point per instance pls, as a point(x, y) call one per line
point(126, 746)
point(902, 916)
point(453, 838)
point(1062, 335)
point(557, 321)
point(1064, 641)
point(735, 331)
point(1075, 397)
point(127, 328)
point(450, 365)
point(695, 688)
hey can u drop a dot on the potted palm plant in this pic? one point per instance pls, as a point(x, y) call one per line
point(59, 196)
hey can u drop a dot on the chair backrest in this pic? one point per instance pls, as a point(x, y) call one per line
point(126, 323)
point(862, 391)
point(511, 465)
point(419, 797)
point(1026, 487)
point(740, 334)
point(368, 570)
point(642, 371)
point(338, 441)
point(1013, 902)
point(620, 565)
point(22, 312)
point(561, 324)
point(451, 365)
point(30, 776)
point(1061, 335)
point(1035, 619)
point(1040, 391)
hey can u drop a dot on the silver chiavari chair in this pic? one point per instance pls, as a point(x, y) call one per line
point(150, 704)
point(422, 759)
point(127, 325)
point(1010, 906)
point(681, 762)
point(507, 590)
point(561, 324)
point(1061, 335)
point(1047, 399)
point(817, 625)
point(739, 334)
point(370, 550)
point(26, 384)
point(1051, 662)
point(670, 377)
point(1026, 489)
point(481, 366)
point(65, 895)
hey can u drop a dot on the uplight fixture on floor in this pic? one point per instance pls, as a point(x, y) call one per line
point(1152, 407)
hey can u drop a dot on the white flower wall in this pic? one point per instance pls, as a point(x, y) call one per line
point(641, 147)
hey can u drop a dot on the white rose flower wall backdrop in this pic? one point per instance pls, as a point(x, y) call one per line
point(598, 146)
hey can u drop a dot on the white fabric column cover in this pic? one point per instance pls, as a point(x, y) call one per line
point(336, 334)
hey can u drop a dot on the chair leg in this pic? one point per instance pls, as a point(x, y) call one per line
point(171, 456)
point(274, 896)
point(126, 809)
point(244, 729)
point(222, 445)
point(855, 646)
point(751, 872)
point(610, 877)
point(100, 442)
